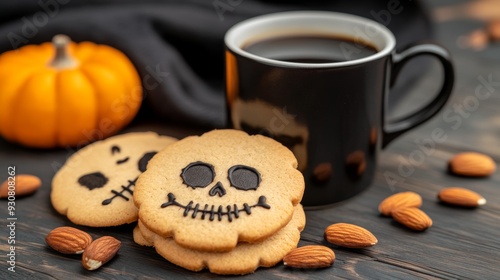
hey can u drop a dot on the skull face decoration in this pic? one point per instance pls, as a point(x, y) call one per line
point(224, 182)
point(200, 175)
point(98, 180)
point(96, 184)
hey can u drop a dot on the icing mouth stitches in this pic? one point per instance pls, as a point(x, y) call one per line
point(211, 212)
point(127, 188)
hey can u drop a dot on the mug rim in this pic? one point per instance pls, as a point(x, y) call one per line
point(230, 37)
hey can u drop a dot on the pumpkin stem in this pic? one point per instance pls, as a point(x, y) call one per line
point(62, 59)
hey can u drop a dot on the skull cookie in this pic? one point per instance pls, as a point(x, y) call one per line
point(244, 258)
point(210, 192)
point(95, 185)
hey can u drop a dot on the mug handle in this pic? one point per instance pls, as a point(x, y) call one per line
point(392, 130)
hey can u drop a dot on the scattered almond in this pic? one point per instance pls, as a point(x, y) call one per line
point(356, 163)
point(398, 200)
point(494, 30)
point(322, 172)
point(373, 136)
point(24, 184)
point(68, 240)
point(477, 40)
point(472, 164)
point(349, 236)
point(100, 252)
point(412, 218)
point(461, 197)
point(310, 256)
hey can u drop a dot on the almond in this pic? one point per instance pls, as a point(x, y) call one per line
point(356, 163)
point(373, 136)
point(461, 197)
point(68, 240)
point(402, 199)
point(349, 236)
point(412, 218)
point(494, 29)
point(322, 172)
point(100, 252)
point(310, 256)
point(23, 184)
point(472, 165)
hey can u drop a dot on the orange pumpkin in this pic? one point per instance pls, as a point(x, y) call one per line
point(63, 94)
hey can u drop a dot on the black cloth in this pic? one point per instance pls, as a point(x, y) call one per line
point(177, 46)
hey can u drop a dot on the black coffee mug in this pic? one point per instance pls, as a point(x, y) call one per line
point(331, 114)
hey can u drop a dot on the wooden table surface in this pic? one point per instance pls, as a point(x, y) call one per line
point(462, 243)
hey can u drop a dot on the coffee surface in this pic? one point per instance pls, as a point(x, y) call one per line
point(310, 49)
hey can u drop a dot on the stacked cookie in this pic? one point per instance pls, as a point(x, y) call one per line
point(225, 201)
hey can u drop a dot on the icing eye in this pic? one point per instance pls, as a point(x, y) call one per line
point(244, 177)
point(198, 174)
point(143, 162)
point(115, 149)
point(93, 180)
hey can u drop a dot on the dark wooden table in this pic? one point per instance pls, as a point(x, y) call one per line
point(462, 243)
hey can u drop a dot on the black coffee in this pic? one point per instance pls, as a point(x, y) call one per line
point(311, 49)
